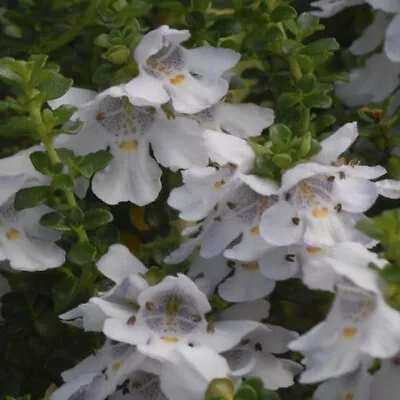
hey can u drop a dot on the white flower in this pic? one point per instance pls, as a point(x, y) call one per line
point(241, 120)
point(121, 267)
point(371, 83)
point(188, 371)
point(385, 384)
point(254, 357)
point(359, 323)
point(319, 203)
point(246, 284)
point(171, 314)
point(329, 8)
point(389, 188)
point(238, 211)
point(115, 369)
point(190, 78)
point(16, 171)
point(24, 242)
point(84, 387)
point(353, 386)
point(111, 120)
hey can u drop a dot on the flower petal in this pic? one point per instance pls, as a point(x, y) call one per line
point(389, 188)
point(280, 263)
point(277, 226)
point(118, 263)
point(243, 120)
point(225, 149)
point(355, 195)
point(211, 60)
point(117, 329)
point(372, 35)
point(186, 375)
point(245, 285)
point(139, 94)
point(131, 176)
point(256, 310)
point(337, 143)
point(178, 144)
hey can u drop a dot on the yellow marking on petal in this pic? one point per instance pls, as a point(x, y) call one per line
point(313, 250)
point(349, 333)
point(349, 396)
point(169, 339)
point(178, 79)
point(13, 234)
point(116, 366)
point(218, 184)
point(128, 145)
point(255, 231)
point(320, 212)
point(251, 266)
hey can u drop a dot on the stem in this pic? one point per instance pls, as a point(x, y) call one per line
point(304, 119)
point(42, 130)
point(72, 33)
point(296, 72)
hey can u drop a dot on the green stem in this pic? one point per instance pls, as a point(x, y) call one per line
point(304, 119)
point(72, 33)
point(43, 133)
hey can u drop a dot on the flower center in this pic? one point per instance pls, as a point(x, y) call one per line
point(313, 193)
point(166, 62)
point(123, 122)
point(171, 314)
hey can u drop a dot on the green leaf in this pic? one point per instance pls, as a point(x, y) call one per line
point(305, 146)
point(307, 82)
point(64, 290)
point(371, 229)
point(63, 182)
point(196, 20)
point(393, 167)
point(63, 114)
point(279, 133)
point(75, 216)
point(118, 55)
point(17, 126)
point(95, 162)
point(71, 128)
point(317, 100)
point(282, 13)
point(41, 162)
point(391, 274)
point(53, 86)
point(287, 100)
point(256, 383)
point(6, 73)
point(226, 26)
point(55, 221)
point(201, 5)
point(82, 253)
point(308, 24)
point(31, 197)
point(223, 387)
point(245, 392)
point(282, 160)
point(48, 325)
point(321, 46)
point(324, 121)
point(269, 395)
point(96, 217)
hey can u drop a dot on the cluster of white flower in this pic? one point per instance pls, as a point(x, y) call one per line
point(162, 340)
point(379, 77)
